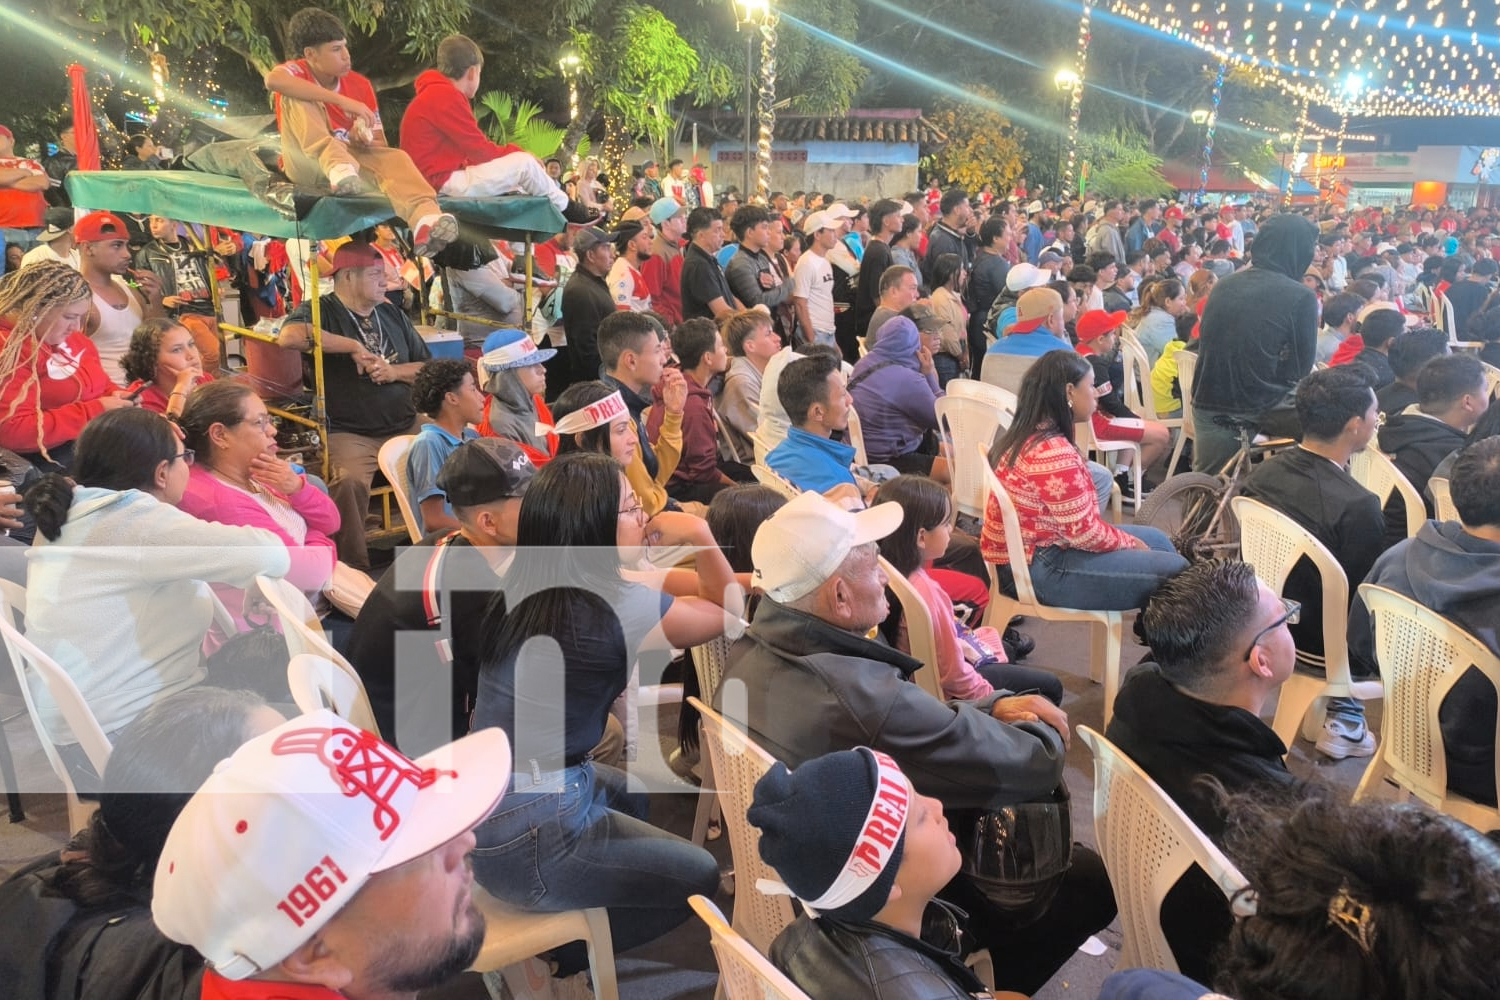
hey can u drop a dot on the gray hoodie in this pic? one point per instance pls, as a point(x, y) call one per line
point(1457, 575)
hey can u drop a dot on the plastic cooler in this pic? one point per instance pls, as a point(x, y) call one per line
point(443, 343)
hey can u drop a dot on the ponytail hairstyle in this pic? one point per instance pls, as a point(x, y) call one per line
point(118, 450)
point(1156, 295)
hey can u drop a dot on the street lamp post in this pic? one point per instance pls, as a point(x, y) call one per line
point(1065, 80)
point(748, 15)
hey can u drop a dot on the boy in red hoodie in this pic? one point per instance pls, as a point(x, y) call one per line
point(442, 138)
point(331, 136)
point(700, 348)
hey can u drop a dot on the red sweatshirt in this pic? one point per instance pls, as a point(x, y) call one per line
point(440, 134)
point(65, 384)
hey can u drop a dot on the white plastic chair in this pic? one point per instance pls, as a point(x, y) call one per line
point(1089, 444)
point(738, 764)
point(744, 973)
point(25, 656)
point(1273, 543)
point(856, 439)
point(1442, 499)
point(1421, 656)
point(968, 388)
point(767, 476)
point(710, 660)
point(512, 935)
point(1187, 366)
point(392, 461)
point(1147, 843)
point(303, 634)
point(1377, 473)
point(1106, 627)
point(1140, 394)
point(920, 630)
point(969, 422)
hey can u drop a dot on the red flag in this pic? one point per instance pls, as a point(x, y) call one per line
point(85, 135)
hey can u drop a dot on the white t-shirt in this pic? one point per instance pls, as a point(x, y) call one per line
point(813, 281)
point(44, 252)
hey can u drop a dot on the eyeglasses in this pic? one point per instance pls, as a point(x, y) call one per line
point(634, 510)
point(1293, 614)
point(261, 424)
point(186, 455)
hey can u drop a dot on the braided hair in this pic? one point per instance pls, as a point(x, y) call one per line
point(26, 297)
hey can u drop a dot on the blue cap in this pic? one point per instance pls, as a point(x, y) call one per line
point(512, 348)
point(664, 209)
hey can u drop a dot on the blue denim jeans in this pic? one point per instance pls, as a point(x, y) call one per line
point(1105, 581)
point(580, 839)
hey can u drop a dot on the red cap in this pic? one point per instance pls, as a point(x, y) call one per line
point(98, 226)
point(1173, 212)
point(1096, 323)
point(1227, 210)
point(354, 254)
point(7, 132)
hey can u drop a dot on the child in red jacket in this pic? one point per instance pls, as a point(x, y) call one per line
point(442, 138)
point(331, 134)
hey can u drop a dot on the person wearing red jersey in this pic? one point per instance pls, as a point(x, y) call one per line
point(442, 138)
point(23, 207)
point(51, 381)
point(331, 135)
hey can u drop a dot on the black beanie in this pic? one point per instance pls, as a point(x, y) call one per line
point(841, 812)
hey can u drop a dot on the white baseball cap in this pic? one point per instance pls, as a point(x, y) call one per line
point(838, 210)
point(286, 831)
point(1024, 276)
point(805, 542)
point(819, 220)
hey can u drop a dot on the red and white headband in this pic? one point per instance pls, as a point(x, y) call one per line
point(606, 411)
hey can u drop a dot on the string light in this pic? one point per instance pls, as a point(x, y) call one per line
point(1208, 131)
point(1075, 102)
point(1357, 59)
point(765, 108)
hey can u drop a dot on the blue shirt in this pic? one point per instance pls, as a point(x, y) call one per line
point(812, 462)
point(1031, 345)
point(424, 460)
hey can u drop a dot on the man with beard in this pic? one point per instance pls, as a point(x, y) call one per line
point(118, 308)
point(626, 284)
point(318, 862)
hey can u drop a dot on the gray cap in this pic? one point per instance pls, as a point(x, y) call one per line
point(485, 470)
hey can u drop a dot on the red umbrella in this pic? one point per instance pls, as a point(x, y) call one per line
point(85, 135)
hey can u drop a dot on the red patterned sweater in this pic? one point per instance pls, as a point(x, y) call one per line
point(1055, 503)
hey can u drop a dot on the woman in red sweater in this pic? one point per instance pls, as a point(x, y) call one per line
point(1077, 559)
point(164, 362)
point(51, 381)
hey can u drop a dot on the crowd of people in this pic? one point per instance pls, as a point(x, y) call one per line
point(720, 421)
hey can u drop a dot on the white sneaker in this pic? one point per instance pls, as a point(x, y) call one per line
point(1342, 738)
point(345, 181)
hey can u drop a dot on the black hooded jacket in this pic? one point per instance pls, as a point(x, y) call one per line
point(1416, 444)
point(1260, 326)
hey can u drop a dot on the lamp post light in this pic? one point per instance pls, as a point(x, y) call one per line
point(748, 15)
point(1066, 81)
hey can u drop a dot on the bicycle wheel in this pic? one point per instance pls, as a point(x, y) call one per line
point(1183, 507)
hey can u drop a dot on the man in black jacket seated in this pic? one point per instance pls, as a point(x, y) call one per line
point(1452, 394)
point(1220, 647)
point(865, 854)
point(805, 681)
point(1311, 485)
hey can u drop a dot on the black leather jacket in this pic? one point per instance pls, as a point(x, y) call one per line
point(833, 960)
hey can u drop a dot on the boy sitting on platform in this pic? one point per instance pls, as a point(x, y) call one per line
point(331, 136)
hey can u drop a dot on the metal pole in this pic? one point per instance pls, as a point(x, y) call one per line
point(1208, 132)
point(749, 106)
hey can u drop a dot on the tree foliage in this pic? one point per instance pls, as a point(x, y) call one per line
point(1122, 165)
point(982, 147)
point(389, 39)
point(512, 122)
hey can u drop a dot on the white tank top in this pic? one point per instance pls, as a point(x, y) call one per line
point(112, 338)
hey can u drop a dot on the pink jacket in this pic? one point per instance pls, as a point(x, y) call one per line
point(959, 679)
point(209, 499)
